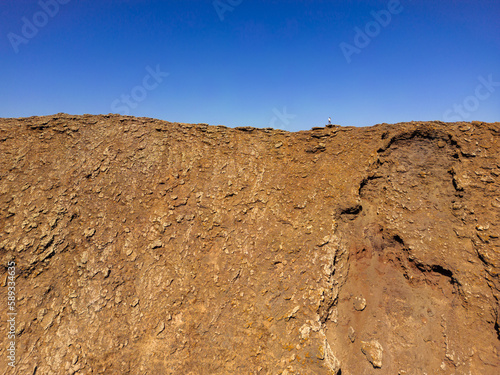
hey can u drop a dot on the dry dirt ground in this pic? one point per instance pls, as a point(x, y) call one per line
point(147, 247)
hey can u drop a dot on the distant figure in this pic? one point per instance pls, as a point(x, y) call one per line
point(329, 120)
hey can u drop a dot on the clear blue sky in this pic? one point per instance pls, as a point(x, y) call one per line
point(286, 64)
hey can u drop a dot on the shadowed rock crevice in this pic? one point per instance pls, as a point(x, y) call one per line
point(350, 212)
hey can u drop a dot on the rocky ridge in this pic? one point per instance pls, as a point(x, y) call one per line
point(148, 247)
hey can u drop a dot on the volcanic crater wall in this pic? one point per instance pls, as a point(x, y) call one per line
point(148, 247)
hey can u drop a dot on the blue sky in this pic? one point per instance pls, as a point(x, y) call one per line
point(285, 64)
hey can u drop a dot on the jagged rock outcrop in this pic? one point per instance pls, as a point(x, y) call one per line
point(148, 247)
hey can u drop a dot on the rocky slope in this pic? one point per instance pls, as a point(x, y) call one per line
point(148, 247)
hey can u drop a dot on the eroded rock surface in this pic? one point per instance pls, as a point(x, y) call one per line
point(148, 247)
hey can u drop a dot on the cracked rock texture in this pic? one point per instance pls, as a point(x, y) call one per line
point(148, 247)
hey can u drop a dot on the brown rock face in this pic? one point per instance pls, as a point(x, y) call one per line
point(147, 247)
